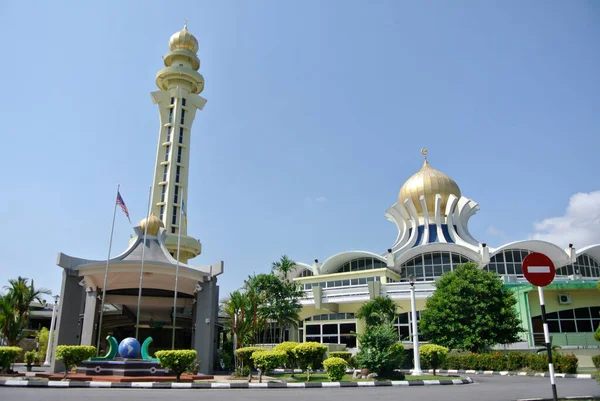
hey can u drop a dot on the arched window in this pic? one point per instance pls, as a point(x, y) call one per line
point(306, 273)
point(362, 264)
point(509, 261)
point(430, 265)
point(585, 265)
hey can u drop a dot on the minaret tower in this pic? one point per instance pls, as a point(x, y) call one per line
point(179, 83)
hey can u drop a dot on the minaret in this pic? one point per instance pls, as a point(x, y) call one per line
point(179, 83)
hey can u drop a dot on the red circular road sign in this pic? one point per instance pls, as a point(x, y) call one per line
point(538, 269)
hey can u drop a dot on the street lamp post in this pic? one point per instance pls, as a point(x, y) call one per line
point(415, 330)
point(50, 339)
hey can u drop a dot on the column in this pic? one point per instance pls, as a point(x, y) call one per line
point(89, 317)
point(205, 319)
point(67, 322)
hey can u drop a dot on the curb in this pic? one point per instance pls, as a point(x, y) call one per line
point(583, 397)
point(507, 373)
point(245, 386)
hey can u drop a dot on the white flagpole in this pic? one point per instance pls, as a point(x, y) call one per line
point(106, 274)
point(177, 271)
point(137, 323)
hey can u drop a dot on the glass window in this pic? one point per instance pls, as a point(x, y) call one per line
point(437, 258)
point(182, 116)
point(313, 329)
point(177, 171)
point(445, 257)
point(166, 169)
point(170, 115)
point(568, 326)
point(553, 315)
point(167, 148)
point(330, 328)
point(584, 325)
point(354, 281)
point(347, 328)
point(508, 255)
point(582, 313)
point(176, 194)
point(403, 318)
point(180, 134)
point(427, 259)
point(179, 154)
point(162, 194)
point(183, 102)
point(346, 283)
point(553, 326)
point(172, 100)
point(169, 128)
point(362, 281)
point(174, 219)
point(566, 314)
point(311, 339)
point(162, 211)
point(330, 339)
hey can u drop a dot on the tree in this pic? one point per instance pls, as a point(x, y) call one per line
point(15, 305)
point(378, 311)
point(380, 350)
point(470, 310)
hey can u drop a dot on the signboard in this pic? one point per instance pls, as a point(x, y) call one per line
point(538, 269)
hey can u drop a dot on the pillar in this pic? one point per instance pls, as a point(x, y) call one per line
point(89, 317)
point(205, 320)
point(68, 322)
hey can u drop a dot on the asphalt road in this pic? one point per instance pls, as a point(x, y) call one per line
point(490, 388)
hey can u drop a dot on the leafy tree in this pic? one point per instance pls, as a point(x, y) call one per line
point(380, 350)
point(380, 310)
point(470, 310)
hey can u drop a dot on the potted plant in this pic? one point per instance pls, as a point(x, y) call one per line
point(196, 366)
point(30, 357)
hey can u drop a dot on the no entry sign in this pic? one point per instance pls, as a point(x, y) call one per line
point(538, 269)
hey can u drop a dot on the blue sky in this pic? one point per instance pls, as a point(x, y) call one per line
point(316, 114)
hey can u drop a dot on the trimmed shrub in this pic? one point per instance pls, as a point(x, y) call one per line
point(565, 363)
point(72, 355)
point(8, 355)
point(176, 360)
point(30, 357)
point(42, 337)
point(432, 355)
point(290, 358)
point(310, 356)
point(345, 355)
point(335, 367)
point(245, 355)
point(537, 362)
point(596, 360)
point(266, 361)
point(516, 361)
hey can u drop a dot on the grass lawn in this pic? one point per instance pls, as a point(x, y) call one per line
point(322, 377)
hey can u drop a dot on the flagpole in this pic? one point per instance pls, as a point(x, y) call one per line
point(177, 272)
point(137, 323)
point(99, 334)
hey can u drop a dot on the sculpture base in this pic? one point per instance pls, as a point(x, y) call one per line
point(121, 367)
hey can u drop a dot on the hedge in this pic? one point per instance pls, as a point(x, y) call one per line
point(72, 355)
point(176, 360)
point(345, 355)
point(8, 355)
point(336, 368)
point(267, 361)
point(596, 360)
point(512, 361)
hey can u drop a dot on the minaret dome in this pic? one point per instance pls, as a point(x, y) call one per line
point(154, 224)
point(183, 40)
point(428, 182)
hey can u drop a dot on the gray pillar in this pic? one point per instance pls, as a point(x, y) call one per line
point(207, 303)
point(68, 322)
point(89, 317)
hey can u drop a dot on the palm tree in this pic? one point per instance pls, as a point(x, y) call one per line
point(283, 267)
point(14, 308)
point(286, 305)
point(380, 310)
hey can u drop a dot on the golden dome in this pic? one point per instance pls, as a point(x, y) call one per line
point(153, 226)
point(428, 182)
point(183, 40)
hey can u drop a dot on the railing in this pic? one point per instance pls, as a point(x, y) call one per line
point(583, 340)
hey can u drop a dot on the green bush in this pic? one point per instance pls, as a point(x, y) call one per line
point(290, 358)
point(432, 355)
point(380, 352)
point(244, 355)
point(345, 355)
point(336, 368)
point(176, 360)
point(597, 334)
point(565, 363)
point(596, 360)
point(30, 357)
point(42, 338)
point(72, 355)
point(516, 361)
point(537, 362)
point(7, 356)
point(309, 356)
point(266, 361)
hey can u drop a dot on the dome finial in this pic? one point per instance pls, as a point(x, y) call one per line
point(185, 25)
point(424, 152)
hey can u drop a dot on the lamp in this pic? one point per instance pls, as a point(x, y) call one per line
point(50, 336)
point(415, 330)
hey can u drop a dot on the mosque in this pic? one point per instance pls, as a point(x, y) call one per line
point(158, 254)
point(432, 217)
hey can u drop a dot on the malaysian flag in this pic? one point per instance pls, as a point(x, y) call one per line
point(121, 203)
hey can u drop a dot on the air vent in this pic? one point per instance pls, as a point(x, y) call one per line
point(564, 299)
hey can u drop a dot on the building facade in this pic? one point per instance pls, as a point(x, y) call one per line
point(158, 254)
point(432, 218)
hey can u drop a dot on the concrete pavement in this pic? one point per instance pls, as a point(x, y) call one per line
point(490, 388)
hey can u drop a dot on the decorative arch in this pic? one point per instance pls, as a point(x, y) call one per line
point(299, 269)
point(585, 265)
point(333, 263)
point(508, 261)
point(433, 261)
point(558, 255)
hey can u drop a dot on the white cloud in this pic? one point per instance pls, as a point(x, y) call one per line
point(495, 232)
point(579, 226)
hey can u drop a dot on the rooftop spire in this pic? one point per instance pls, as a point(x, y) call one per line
point(424, 152)
point(185, 25)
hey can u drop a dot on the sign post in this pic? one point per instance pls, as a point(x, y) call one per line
point(539, 271)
